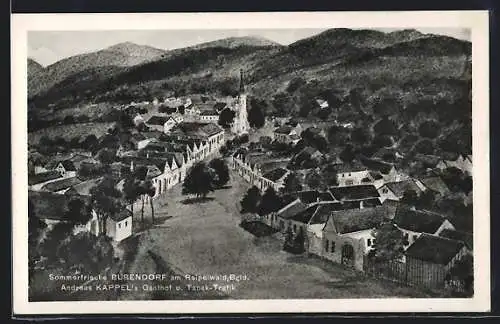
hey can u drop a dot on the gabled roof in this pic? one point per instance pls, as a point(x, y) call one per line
point(354, 192)
point(465, 237)
point(350, 167)
point(219, 106)
point(62, 184)
point(276, 174)
point(419, 221)
point(43, 177)
point(435, 184)
point(353, 220)
point(157, 120)
point(307, 196)
point(292, 209)
point(400, 187)
point(153, 171)
point(326, 196)
point(305, 215)
point(68, 165)
point(434, 249)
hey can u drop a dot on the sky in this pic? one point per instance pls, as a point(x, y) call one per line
point(47, 47)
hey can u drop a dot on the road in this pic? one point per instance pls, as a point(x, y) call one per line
point(204, 238)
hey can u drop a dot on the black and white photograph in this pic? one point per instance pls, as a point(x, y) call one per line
point(232, 163)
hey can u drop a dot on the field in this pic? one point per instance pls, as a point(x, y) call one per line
point(70, 131)
point(204, 238)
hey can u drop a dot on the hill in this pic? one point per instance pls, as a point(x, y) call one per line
point(119, 55)
point(398, 62)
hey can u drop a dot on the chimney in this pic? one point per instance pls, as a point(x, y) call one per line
point(131, 166)
point(361, 206)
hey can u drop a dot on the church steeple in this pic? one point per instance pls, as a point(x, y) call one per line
point(242, 82)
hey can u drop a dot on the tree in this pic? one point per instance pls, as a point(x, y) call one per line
point(199, 180)
point(347, 155)
point(270, 202)
point(429, 129)
point(426, 200)
point(388, 244)
point(90, 142)
point(150, 190)
point(78, 211)
point(221, 170)
point(256, 116)
point(463, 270)
point(329, 175)
point(250, 202)
point(131, 190)
point(314, 180)
point(385, 127)
point(360, 135)
point(55, 236)
point(424, 146)
point(289, 242)
point(291, 183)
point(226, 118)
point(295, 84)
point(106, 200)
point(106, 156)
point(86, 252)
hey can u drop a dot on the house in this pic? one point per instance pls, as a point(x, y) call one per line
point(138, 119)
point(466, 238)
point(83, 188)
point(396, 190)
point(274, 178)
point(66, 168)
point(288, 134)
point(140, 141)
point(282, 218)
point(55, 208)
point(309, 197)
point(192, 110)
point(462, 162)
point(348, 235)
point(159, 123)
point(351, 175)
point(434, 184)
point(219, 107)
point(37, 181)
point(415, 222)
point(60, 186)
point(429, 161)
point(172, 121)
point(322, 104)
point(387, 170)
point(430, 258)
point(359, 192)
point(209, 116)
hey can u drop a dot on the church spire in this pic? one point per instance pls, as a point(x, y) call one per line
point(242, 83)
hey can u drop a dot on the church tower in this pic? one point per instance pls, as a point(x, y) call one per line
point(240, 124)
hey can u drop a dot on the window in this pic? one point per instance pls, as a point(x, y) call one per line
point(326, 246)
point(415, 237)
point(369, 242)
point(332, 249)
point(119, 225)
point(294, 228)
point(384, 190)
point(126, 223)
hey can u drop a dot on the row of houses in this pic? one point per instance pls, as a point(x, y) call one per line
point(344, 233)
point(166, 162)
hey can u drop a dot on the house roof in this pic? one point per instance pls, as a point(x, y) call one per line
point(283, 129)
point(353, 220)
point(209, 113)
point(138, 137)
point(157, 120)
point(219, 106)
point(428, 160)
point(435, 184)
point(307, 196)
point(43, 177)
point(354, 192)
point(350, 167)
point(62, 184)
point(153, 171)
point(434, 249)
point(83, 188)
point(292, 209)
point(376, 175)
point(399, 188)
point(305, 215)
point(68, 165)
point(276, 174)
point(419, 221)
point(465, 237)
point(123, 214)
point(377, 165)
point(326, 196)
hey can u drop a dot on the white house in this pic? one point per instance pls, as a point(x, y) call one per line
point(171, 122)
point(352, 175)
point(396, 190)
point(209, 116)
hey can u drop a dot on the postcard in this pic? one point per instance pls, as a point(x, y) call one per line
point(250, 162)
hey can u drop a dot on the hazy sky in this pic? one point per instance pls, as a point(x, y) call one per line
point(47, 47)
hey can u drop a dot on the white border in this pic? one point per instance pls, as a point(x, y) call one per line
point(477, 21)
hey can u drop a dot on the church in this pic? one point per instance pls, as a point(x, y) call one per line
point(240, 124)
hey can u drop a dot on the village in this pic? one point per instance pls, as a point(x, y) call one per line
point(367, 214)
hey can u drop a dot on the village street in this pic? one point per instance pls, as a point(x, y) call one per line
point(204, 238)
